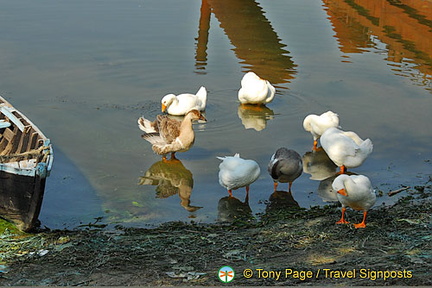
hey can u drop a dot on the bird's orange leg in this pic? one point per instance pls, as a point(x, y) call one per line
point(230, 193)
point(342, 220)
point(315, 145)
point(275, 185)
point(343, 169)
point(289, 186)
point(363, 223)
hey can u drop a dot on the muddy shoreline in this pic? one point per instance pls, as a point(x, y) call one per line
point(303, 247)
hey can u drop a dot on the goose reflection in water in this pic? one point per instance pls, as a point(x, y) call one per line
point(325, 190)
point(171, 177)
point(318, 165)
point(230, 209)
point(321, 168)
point(280, 204)
point(254, 117)
point(281, 200)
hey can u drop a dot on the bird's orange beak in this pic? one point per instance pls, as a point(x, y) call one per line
point(342, 192)
point(164, 107)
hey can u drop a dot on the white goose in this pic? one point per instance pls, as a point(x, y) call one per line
point(183, 103)
point(345, 148)
point(285, 166)
point(235, 172)
point(255, 90)
point(317, 124)
point(168, 135)
point(354, 191)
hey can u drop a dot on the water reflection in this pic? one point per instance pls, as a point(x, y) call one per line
point(318, 165)
point(321, 168)
point(255, 42)
point(405, 27)
point(171, 178)
point(254, 117)
point(202, 40)
point(279, 200)
point(231, 208)
point(325, 190)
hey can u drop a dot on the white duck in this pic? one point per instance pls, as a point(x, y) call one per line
point(183, 103)
point(285, 166)
point(354, 191)
point(168, 135)
point(317, 124)
point(235, 172)
point(345, 148)
point(255, 90)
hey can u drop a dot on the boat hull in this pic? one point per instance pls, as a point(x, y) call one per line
point(21, 199)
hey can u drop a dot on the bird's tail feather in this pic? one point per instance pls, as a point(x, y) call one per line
point(153, 138)
point(224, 157)
point(146, 125)
point(202, 95)
point(367, 146)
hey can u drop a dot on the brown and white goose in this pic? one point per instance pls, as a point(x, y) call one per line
point(168, 135)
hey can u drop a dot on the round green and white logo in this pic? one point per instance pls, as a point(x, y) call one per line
point(226, 274)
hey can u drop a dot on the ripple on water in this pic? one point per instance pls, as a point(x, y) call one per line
point(295, 105)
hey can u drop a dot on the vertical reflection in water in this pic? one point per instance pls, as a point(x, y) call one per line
point(404, 26)
point(256, 44)
point(202, 40)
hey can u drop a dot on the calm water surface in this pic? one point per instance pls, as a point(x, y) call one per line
point(84, 71)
